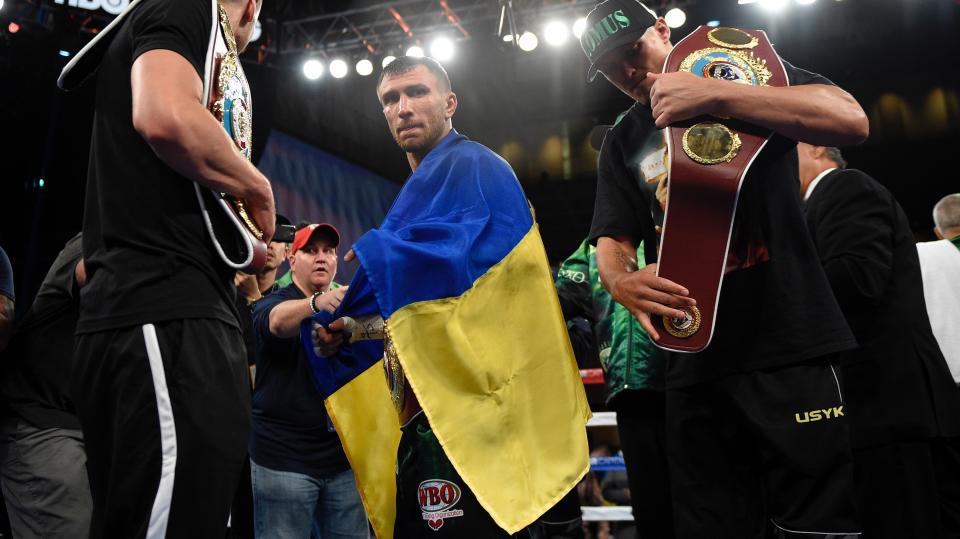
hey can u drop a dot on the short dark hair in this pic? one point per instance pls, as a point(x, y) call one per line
point(834, 155)
point(405, 64)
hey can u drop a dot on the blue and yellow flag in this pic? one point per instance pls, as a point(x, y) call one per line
point(459, 272)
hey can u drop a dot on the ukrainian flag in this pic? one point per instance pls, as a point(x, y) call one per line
point(459, 272)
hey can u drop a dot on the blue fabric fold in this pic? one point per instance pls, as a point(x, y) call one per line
point(332, 373)
point(461, 212)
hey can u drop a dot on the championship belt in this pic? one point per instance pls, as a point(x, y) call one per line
point(709, 158)
point(402, 395)
point(229, 99)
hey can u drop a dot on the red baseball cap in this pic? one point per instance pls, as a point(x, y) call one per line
point(307, 233)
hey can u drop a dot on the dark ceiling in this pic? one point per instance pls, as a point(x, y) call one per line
point(898, 58)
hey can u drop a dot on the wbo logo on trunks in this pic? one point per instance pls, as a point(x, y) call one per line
point(437, 498)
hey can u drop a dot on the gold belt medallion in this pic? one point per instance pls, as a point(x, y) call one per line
point(732, 38)
point(683, 327)
point(396, 380)
point(709, 143)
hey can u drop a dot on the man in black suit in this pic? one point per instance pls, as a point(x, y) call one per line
point(899, 397)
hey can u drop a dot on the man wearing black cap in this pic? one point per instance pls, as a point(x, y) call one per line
point(755, 429)
point(301, 477)
point(250, 288)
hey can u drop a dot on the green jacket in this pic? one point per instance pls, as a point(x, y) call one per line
point(628, 356)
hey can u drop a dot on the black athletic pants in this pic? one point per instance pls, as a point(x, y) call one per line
point(165, 410)
point(641, 424)
point(897, 491)
point(762, 453)
point(946, 461)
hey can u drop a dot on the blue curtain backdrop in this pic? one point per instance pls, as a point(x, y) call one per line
point(312, 185)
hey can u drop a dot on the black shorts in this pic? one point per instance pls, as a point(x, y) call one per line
point(762, 452)
point(165, 410)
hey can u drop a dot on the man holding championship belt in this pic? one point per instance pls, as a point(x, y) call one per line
point(161, 384)
point(756, 436)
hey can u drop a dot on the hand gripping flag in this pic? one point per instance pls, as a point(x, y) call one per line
point(459, 273)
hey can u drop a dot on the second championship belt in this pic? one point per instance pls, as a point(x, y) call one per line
point(228, 97)
point(709, 159)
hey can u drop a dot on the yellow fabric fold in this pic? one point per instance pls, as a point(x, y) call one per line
point(495, 373)
point(367, 424)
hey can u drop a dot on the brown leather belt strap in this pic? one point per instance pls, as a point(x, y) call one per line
point(709, 158)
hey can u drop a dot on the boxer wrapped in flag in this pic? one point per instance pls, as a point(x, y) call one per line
point(478, 361)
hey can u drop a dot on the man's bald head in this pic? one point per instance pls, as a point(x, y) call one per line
point(946, 216)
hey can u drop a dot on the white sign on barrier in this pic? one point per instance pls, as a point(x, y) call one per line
point(603, 419)
point(113, 7)
point(607, 513)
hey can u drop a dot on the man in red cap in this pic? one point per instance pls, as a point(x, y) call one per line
point(301, 478)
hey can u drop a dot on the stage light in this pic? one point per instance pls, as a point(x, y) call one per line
point(257, 31)
point(713, 23)
point(579, 26)
point(338, 69)
point(508, 38)
point(415, 51)
point(364, 67)
point(773, 6)
point(528, 41)
point(675, 18)
point(386, 60)
point(65, 54)
point(312, 69)
point(13, 27)
point(441, 49)
point(41, 179)
point(555, 33)
point(1, 4)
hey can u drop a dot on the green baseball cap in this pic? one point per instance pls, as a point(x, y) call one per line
point(612, 24)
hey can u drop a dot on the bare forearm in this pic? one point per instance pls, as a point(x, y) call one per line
point(285, 318)
point(168, 112)
point(615, 259)
point(195, 145)
point(817, 114)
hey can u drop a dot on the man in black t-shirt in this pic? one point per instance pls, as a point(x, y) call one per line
point(301, 477)
point(43, 476)
point(755, 430)
point(161, 385)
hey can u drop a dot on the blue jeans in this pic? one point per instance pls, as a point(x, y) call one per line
point(289, 505)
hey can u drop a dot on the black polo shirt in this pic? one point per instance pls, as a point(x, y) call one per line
point(290, 429)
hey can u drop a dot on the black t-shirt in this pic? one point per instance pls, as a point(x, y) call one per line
point(148, 254)
point(291, 432)
point(35, 379)
point(776, 307)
